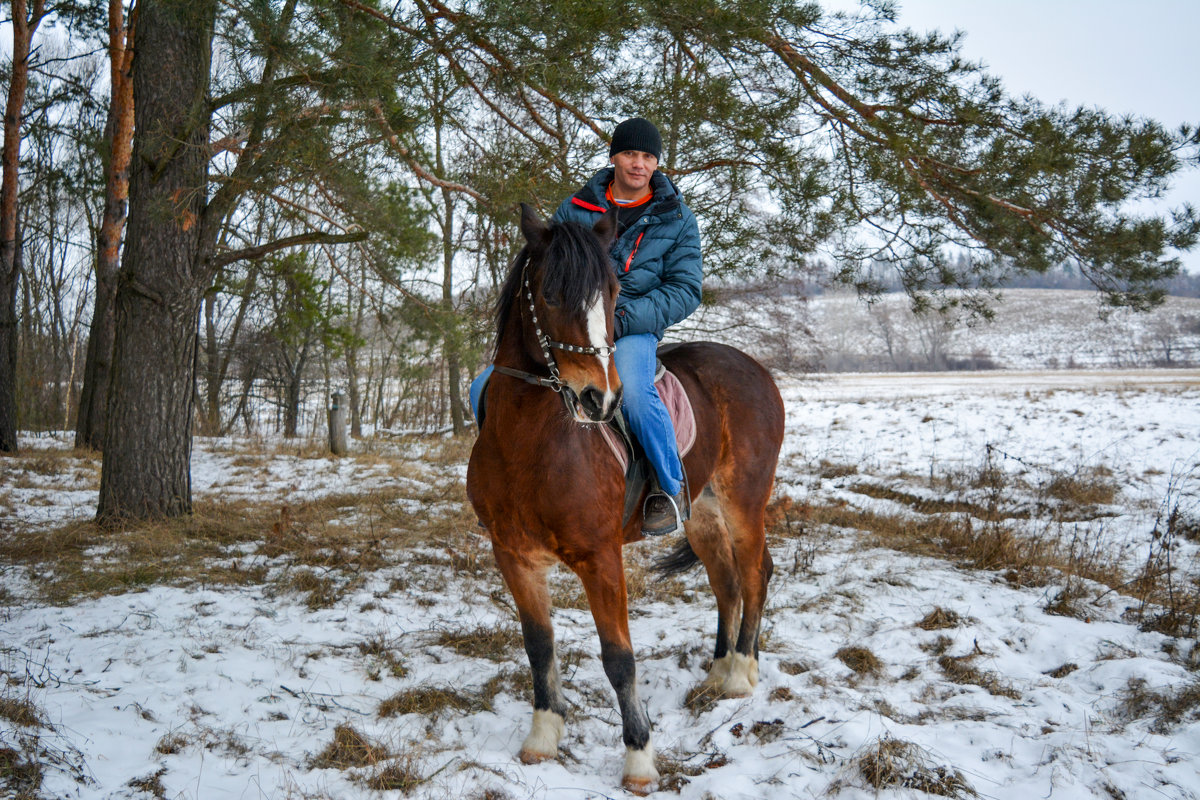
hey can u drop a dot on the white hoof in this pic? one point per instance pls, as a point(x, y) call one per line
point(542, 742)
point(742, 676)
point(640, 776)
point(718, 673)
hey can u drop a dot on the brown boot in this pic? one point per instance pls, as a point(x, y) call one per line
point(663, 514)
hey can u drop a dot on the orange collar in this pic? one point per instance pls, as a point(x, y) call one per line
point(608, 195)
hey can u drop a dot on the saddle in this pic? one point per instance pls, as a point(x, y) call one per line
point(624, 446)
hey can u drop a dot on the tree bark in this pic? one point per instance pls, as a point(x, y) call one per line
point(24, 25)
point(118, 132)
point(147, 440)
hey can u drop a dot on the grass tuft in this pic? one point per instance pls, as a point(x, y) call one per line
point(1166, 708)
point(428, 701)
point(1086, 487)
point(939, 619)
point(400, 775)
point(958, 669)
point(20, 775)
point(348, 749)
point(861, 660)
point(895, 764)
point(493, 643)
point(22, 713)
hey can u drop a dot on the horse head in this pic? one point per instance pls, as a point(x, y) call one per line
point(566, 293)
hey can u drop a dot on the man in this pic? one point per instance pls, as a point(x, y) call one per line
point(657, 259)
point(656, 256)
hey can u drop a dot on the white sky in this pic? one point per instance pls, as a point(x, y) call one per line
point(1137, 58)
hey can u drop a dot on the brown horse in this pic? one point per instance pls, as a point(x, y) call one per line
point(548, 490)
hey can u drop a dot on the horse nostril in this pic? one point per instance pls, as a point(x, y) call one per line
point(592, 401)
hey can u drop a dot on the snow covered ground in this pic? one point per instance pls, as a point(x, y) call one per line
point(236, 691)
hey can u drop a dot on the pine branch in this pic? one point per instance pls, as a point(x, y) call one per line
point(220, 260)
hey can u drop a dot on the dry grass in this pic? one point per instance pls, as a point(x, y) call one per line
point(380, 652)
point(701, 699)
point(894, 764)
point(1024, 559)
point(316, 548)
point(928, 505)
point(1091, 486)
point(959, 669)
point(493, 643)
point(1063, 670)
point(172, 743)
point(1168, 591)
point(20, 774)
point(1065, 602)
point(348, 749)
point(400, 775)
point(428, 701)
point(151, 784)
point(1166, 708)
point(21, 712)
point(861, 660)
point(939, 619)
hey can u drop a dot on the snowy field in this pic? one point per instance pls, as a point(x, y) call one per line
point(238, 689)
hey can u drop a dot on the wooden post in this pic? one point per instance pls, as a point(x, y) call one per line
point(337, 426)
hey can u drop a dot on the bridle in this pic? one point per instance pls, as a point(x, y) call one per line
point(555, 381)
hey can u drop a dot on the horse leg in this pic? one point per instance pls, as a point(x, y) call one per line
point(746, 522)
point(603, 577)
point(527, 582)
point(710, 541)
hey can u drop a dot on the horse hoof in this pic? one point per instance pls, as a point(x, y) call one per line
point(639, 786)
point(532, 757)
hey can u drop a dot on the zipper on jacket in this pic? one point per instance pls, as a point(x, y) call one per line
point(633, 252)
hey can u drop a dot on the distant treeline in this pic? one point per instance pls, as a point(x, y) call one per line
point(821, 277)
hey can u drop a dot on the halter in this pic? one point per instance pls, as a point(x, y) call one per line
point(555, 381)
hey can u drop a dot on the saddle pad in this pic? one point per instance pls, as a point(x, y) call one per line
point(682, 419)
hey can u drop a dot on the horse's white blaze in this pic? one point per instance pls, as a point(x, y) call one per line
point(544, 735)
point(597, 324)
point(639, 764)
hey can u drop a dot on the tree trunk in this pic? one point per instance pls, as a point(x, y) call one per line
point(147, 440)
point(24, 26)
point(293, 392)
point(352, 377)
point(458, 419)
point(118, 134)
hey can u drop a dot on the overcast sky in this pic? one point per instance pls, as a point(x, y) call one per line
point(1127, 57)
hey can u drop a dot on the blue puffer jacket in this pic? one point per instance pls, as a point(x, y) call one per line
point(657, 259)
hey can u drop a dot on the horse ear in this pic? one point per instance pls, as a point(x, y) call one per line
point(532, 225)
point(606, 227)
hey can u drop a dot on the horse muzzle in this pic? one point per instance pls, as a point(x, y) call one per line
point(595, 406)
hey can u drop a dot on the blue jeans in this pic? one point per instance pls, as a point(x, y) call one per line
point(644, 409)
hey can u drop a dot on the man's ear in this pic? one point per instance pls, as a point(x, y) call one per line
point(532, 226)
point(606, 227)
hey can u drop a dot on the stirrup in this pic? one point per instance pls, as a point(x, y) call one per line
point(680, 510)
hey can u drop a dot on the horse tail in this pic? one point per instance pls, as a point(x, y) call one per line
point(678, 561)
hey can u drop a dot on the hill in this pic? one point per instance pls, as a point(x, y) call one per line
point(1032, 329)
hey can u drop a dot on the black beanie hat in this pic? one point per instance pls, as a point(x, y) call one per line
point(636, 134)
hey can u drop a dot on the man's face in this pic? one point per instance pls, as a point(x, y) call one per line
point(633, 171)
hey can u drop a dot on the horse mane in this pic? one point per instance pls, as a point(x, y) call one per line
point(573, 266)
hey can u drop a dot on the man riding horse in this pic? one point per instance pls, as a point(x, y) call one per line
point(656, 257)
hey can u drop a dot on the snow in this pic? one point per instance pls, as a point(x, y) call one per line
point(231, 692)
